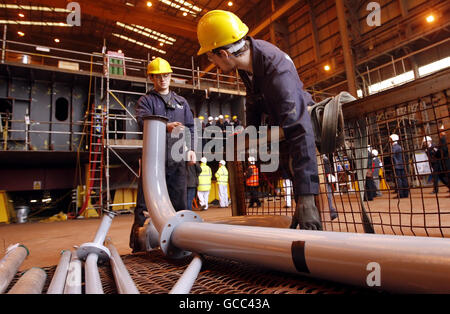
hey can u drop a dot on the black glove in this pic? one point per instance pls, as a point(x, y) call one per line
point(306, 214)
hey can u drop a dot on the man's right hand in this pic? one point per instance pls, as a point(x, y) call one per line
point(173, 125)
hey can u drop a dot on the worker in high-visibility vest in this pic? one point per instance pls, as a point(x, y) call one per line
point(204, 184)
point(222, 181)
point(252, 182)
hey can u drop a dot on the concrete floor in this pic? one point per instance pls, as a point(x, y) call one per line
point(46, 240)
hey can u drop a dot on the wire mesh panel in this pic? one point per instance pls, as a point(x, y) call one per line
point(392, 176)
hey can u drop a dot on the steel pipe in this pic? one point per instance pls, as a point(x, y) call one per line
point(392, 263)
point(406, 263)
point(59, 277)
point(10, 263)
point(91, 275)
point(154, 172)
point(186, 281)
point(73, 279)
point(124, 283)
point(32, 282)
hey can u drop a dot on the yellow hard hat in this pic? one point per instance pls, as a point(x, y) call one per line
point(227, 116)
point(159, 66)
point(219, 28)
point(201, 117)
point(234, 117)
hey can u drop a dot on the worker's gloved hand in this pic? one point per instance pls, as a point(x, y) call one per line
point(306, 213)
point(171, 126)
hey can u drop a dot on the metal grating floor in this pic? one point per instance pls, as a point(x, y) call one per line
point(153, 273)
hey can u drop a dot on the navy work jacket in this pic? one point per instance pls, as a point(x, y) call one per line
point(177, 110)
point(275, 89)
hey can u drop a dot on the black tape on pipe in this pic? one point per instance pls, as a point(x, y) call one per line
point(298, 256)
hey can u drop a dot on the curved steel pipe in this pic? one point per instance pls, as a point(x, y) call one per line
point(10, 263)
point(392, 263)
point(32, 282)
point(124, 283)
point(404, 263)
point(59, 278)
point(154, 171)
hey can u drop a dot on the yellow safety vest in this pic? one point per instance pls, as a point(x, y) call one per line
point(204, 179)
point(222, 175)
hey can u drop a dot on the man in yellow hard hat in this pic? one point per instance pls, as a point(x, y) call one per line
point(160, 100)
point(273, 88)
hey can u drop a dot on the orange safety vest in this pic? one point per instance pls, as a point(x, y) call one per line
point(253, 180)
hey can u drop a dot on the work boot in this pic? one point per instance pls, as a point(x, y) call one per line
point(134, 238)
point(307, 213)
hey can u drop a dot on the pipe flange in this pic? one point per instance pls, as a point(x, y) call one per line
point(165, 239)
point(91, 247)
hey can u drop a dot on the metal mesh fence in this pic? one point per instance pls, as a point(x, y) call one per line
point(397, 188)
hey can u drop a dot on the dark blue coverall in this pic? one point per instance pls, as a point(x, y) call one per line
point(176, 110)
point(275, 89)
point(399, 171)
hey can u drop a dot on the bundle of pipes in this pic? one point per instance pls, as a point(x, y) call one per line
point(391, 263)
point(93, 253)
point(9, 265)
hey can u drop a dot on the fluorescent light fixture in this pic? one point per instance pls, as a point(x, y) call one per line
point(46, 200)
point(21, 34)
point(25, 59)
point(147, 32)
point(134, 41)
point(21, 15)
point(434, 66)
point(35, 23)
point(129, 4)
point(56, 40)
point(183, 6)
point(32, 8)
point(40, 48)
point(33, 201)
point(391, 82)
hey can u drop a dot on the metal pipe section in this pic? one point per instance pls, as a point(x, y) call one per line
point(124, 283)
point(186, 281)
point(392, 263)
point(73, 279)
point(102, 231)
point(92, 277)
point(32, 282)
point(59, 277)
point(10, 263)
point(154, 171)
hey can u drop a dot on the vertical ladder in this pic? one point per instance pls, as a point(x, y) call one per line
point(93, 195)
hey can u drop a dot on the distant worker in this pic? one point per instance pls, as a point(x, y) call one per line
point(163, 102)
point(235, 121)
point(222, 181)
point(252, 182)
point(435, 159)
point(210, 121)
point(193, 171)
point(377, 164)
point(445, 161)
point(204, 184)
point(399, 167)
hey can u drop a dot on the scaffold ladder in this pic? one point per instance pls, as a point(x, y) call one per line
point(93, 196)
